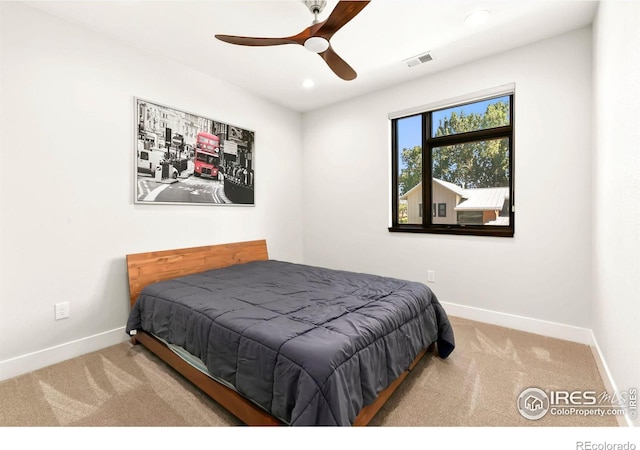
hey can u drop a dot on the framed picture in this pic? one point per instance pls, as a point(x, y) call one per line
point(184, 158)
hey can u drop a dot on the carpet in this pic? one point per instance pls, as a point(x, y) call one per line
point(477, 386)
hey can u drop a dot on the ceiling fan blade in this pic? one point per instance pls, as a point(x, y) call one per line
point(337, 64)
point(339, 17)
point(255, 41)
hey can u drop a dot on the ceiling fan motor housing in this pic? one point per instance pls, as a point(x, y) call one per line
point(315, 6)
point(316, 44)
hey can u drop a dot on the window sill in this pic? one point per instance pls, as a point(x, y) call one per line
point(491, 231)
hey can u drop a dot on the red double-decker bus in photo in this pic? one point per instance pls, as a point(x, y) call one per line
point(206, 158)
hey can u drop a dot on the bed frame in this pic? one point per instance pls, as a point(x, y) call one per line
point(146, 268)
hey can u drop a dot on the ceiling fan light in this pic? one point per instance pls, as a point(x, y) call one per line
point(316, 44)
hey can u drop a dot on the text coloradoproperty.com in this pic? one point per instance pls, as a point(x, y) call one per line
point(571, 410)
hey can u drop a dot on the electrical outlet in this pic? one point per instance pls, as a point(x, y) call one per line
point(62, 310)
point(431, 276)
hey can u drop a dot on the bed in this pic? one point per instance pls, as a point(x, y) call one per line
point(278, 343)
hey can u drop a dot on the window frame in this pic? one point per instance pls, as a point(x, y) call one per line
point(429, 143)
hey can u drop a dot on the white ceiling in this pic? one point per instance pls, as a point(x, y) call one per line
point(374, 43)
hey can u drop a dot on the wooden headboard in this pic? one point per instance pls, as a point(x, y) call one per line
point(146, 268)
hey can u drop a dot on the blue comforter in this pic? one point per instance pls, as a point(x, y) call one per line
point(312, 346)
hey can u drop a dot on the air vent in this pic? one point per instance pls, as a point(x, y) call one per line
point(419, 59)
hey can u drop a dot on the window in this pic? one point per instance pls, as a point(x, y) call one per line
point(465, 150)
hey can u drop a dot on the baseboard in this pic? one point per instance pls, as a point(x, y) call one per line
point(37, 360)
point(536, 326)
point(544, 328)
point(609, 383)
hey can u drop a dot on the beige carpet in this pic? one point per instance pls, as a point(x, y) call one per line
point(477, 386)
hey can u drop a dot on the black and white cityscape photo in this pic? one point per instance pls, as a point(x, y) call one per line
point(183, 158)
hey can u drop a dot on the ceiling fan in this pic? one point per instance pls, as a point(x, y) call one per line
point(316, 37)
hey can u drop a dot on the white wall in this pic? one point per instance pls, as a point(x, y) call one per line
point(616, 215)
point(67, 219)
point(66, 189)
point(544, 272)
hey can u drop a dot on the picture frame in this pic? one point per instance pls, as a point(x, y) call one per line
point(182, 158)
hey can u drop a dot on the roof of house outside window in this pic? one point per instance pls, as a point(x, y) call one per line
point(452, 187)
point(499, 221)
point(411, 191)
point(484, 199)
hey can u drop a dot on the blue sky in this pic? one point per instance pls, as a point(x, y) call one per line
point(410, 128)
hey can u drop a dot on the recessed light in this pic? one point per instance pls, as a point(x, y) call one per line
point(308, 84)
point(477, 17)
